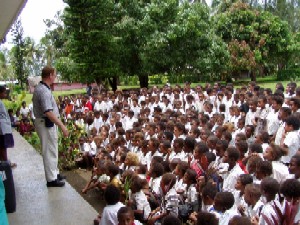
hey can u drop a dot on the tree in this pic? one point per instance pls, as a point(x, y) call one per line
point(255, 36)
point(92, 45)
point(5, 67)
point(186, 45)
point(18, 60)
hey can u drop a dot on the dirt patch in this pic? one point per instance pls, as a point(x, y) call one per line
point(78, 179)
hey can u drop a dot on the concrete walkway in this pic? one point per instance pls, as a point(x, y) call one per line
point(37, 204)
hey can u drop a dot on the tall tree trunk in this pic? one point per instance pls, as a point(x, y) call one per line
point(143, 81)
point(113, 83)
point(252, 75)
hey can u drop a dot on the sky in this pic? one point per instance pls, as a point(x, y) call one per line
point(33, 14)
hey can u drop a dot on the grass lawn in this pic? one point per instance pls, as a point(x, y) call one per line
point(264, 82)
point(28, 97)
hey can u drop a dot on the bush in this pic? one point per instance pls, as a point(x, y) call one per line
point(288, 74)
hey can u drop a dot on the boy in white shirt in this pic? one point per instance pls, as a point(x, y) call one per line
point(291, 139)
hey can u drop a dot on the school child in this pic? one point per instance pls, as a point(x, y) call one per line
point(263, 139)
point(291, 192)
point(177, 151)
point(97, 177)
point(273, 154)
point(272, 210)
point(238, 220)
point(109, 215)
point(252, 198)
point(240, 127)
point(242, 147)
point(239, 192)
point(180, 170)
point(273, 122)
point(251, 166)
point(145, 155)
point(141, 171)
point(294, 167)
point(86, 148)
point(208, 195)
point(250, 116)
point(200, 163)
point(165, 149)
point(222, 205)
point(170, 199)
point(25, 128)
point(263, 169)
point(290, 139)
point(204, 218)
point(126, 217)
point(191, 194)
point(171, 220)
point(221, 147)
point(260, 118)
point(284, 113)
point(113, 173)
point(249, 131)
point(131, 161)
point(231, 156)
point(188, 146)
point(139, 200)
point(156, 172)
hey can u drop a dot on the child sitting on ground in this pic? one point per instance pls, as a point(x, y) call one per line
point(170, 199)
point(239, 192)
point(222, 205)
point(109, 214)
point(126, 217)
point(291, 192)
point(180, 170)
point(231, 157)
point(252, 198)
point(98, 176)
point(156, 172)
point(263, 170)
point(113, 173)
point(139, 200)
point(272, 211)
point(273, 154)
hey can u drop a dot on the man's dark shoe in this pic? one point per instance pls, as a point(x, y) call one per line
point(56, 183)
point(61, 177)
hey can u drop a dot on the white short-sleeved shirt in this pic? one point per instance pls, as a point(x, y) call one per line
point(110, 214)
point(280, 171)
point(230, 180)
point(142, 203)
point(269, 212)
point(292, 142)
point(154, 184)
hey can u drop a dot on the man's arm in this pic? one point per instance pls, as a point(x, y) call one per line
point(58, 122)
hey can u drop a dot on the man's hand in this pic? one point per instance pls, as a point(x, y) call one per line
point(65, 131)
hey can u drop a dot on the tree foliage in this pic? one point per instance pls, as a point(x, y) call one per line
point(256, 39)
point(92, 45)
point(18, 61)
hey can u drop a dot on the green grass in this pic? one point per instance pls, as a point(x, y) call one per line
point(28, 97)
point(265, 82)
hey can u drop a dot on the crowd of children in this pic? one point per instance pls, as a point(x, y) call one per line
point(23, 119)
point(204, 155)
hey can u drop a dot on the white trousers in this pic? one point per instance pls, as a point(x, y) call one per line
point(49, 142)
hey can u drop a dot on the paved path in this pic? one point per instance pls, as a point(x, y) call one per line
point(37, 204)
